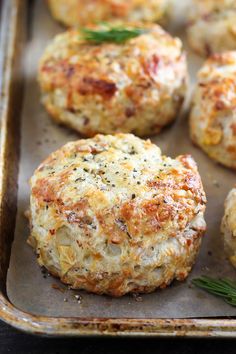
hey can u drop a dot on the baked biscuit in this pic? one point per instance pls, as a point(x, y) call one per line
point(82, 12)
point(212, 26)
point(133, 87)
point(213, 114)
point(111, 215)
point(228, 226)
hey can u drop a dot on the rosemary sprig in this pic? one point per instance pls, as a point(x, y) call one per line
point(221, 287)
point(111, 34)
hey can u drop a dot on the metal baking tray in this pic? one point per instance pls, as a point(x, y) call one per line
point(16, 34)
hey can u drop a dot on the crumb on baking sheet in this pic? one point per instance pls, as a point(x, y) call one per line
point(137, 297)
point(78, 298)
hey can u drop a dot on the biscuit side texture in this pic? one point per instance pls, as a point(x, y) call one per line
point(228, 226)
point(213, 115)
point(112, 215)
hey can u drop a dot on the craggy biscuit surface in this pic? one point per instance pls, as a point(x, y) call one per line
point(228, 226)
point(112, 215)
point(82, 12)
point(134, 87)
point(212, 26)
point(213, 115)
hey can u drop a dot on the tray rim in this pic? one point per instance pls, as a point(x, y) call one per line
point(66, 326)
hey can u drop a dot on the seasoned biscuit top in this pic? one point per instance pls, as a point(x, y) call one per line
point(124, 181)
point(104, 69)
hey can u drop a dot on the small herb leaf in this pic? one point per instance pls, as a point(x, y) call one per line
point(220, 287)
point(111, 34)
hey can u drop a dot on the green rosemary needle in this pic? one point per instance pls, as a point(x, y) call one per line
point(111, 34)
point(220, 287)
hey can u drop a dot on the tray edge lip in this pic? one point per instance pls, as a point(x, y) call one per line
point(74, 326)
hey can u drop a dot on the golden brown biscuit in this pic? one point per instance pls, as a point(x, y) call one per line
point(137, 86)
point(228, 226)
point(112, 215)
point(213, 115)
point(212, 26)
point(82, 12)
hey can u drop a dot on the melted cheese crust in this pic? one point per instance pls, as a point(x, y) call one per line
point(137, 87)
point(82, 12)
point(212, 26)
point(213, 115)
point(228, 226)
point(112, 215)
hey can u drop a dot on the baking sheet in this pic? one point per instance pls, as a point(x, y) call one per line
point(33, 290)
